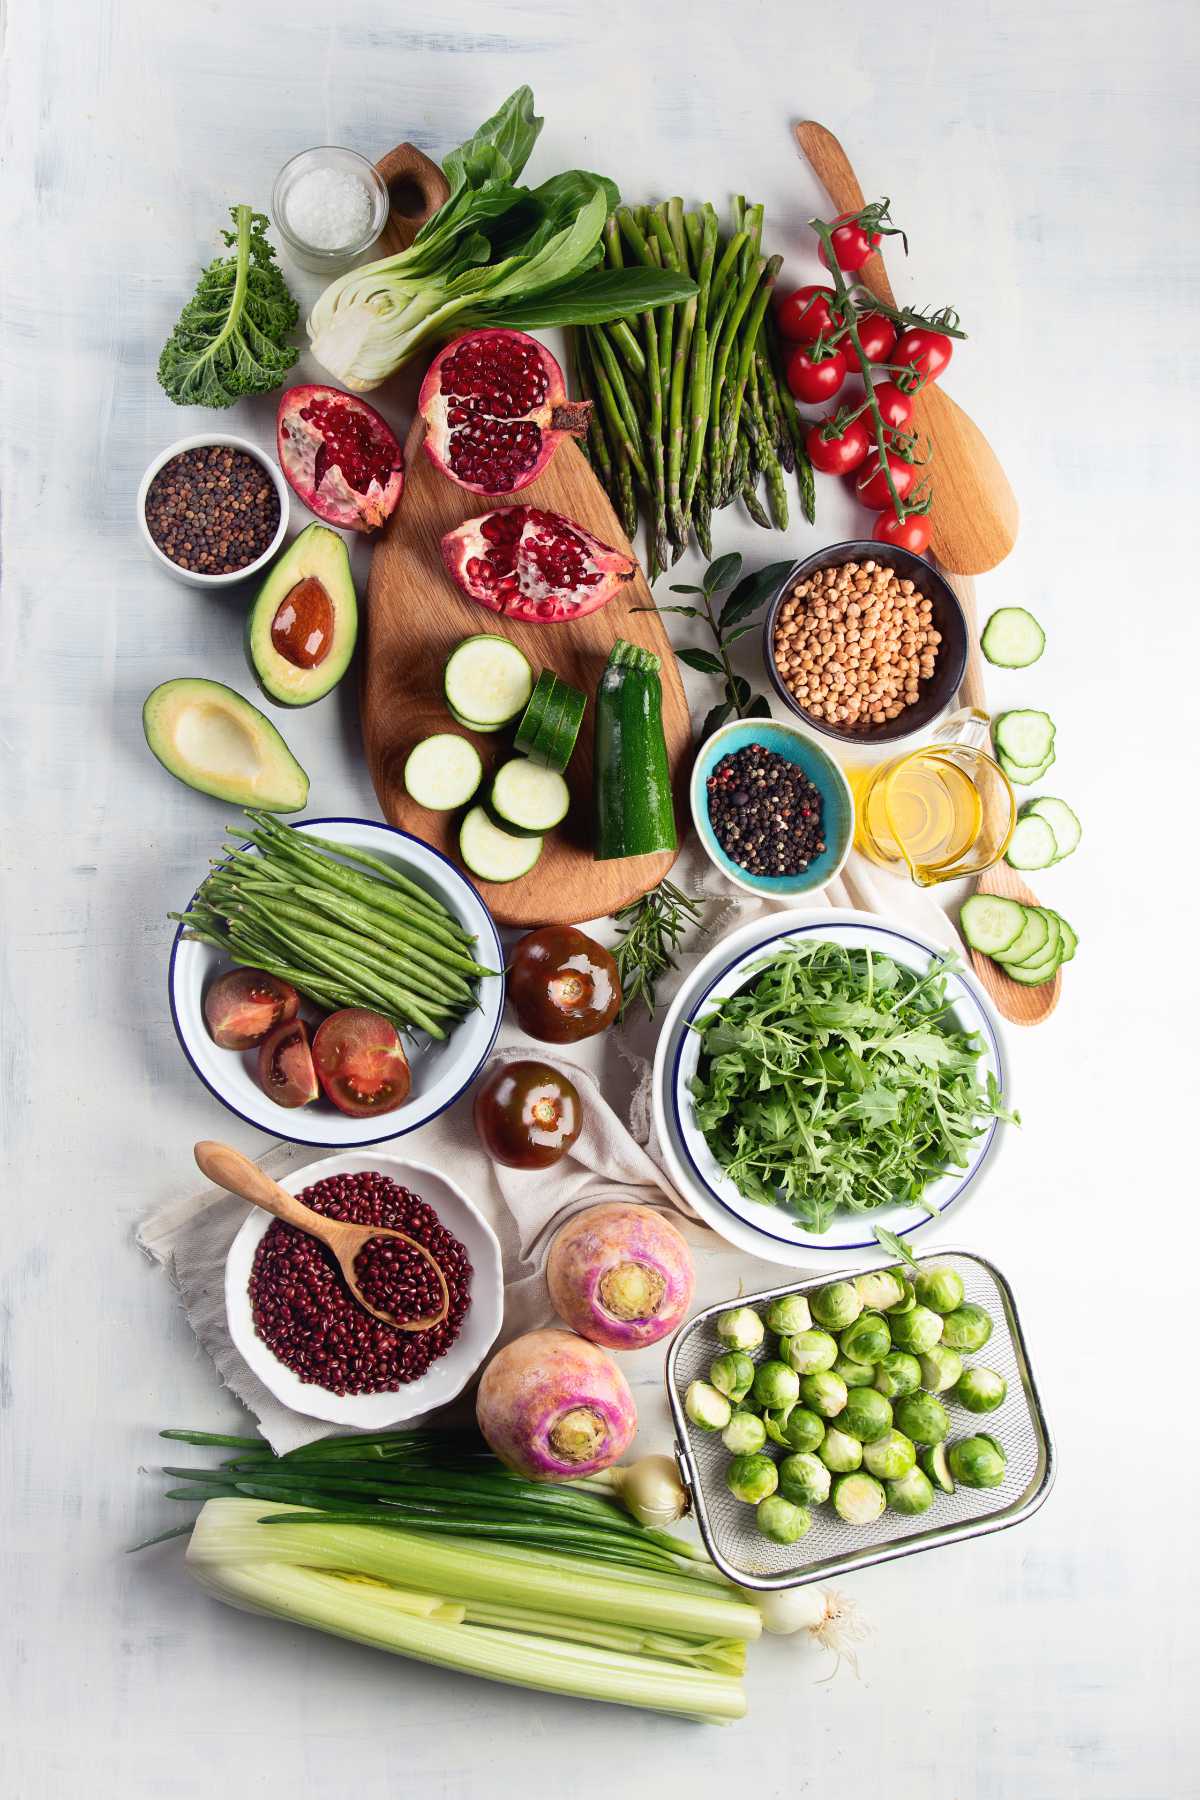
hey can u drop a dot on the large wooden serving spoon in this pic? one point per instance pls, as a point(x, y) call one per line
point(975, 515)
point(1020, 1005)
point(228, 1168)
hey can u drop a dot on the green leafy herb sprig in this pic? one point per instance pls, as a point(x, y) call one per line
point(651, 931)
point(231, 338)
point(727, 624)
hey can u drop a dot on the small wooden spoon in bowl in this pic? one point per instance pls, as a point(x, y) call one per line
point(228, 1168)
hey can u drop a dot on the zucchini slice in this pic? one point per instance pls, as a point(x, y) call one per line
point(1062, 822)
point(527, 799)
point(443, 771)
point(487, 681)
point(1032, 939)
point(1033, 844)
point(1023, 774)
point(1025, 737)
point(492, 854)
point(534, 713)
point(1012, 638)
point(556, 741)
point(990, 923)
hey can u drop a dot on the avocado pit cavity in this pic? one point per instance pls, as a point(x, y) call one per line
point(631, 1290)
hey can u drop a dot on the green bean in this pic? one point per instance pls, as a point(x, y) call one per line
point(412, 889)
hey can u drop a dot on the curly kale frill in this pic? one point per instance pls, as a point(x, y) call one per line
point(231, 338)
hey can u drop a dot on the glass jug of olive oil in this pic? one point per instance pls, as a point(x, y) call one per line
point(941, 811)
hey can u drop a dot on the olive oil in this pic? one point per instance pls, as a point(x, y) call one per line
point(939, 812)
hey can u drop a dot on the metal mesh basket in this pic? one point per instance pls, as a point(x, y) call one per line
point(727, 1525)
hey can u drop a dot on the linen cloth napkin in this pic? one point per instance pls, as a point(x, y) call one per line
point(614, 1158)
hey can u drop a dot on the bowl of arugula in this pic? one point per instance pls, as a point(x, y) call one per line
point(820, 1074)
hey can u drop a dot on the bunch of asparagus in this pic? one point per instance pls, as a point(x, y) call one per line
point(690, 409)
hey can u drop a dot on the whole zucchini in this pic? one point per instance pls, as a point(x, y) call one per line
point(635, 813)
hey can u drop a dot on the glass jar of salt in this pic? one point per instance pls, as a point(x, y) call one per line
point(329, 206)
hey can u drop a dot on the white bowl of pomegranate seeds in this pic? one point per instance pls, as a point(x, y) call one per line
point(294, 1322)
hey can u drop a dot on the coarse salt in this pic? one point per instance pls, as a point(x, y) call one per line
point(328, 209)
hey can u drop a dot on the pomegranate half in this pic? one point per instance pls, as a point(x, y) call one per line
point(536, 565)
point(495, 406)
point(340, 455)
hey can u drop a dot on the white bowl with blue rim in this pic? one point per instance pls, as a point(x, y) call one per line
point(837, 804)
point(441, 1071)
point(756, 1226)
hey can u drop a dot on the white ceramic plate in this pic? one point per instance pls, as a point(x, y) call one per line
point(440, 1071)
point(765, 1230)
point(444, 1378)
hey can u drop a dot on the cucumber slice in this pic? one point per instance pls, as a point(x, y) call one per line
point(534, 713)
point(1062, 822)
point(1070, 943)
point(528, 798)
point(487, 681)
point(1034, 936)
point(443, 771)
point(492, 854)
point(1025, 737)
point(1033, 844)
point(1024, 774)
point(1012, 638)
point(990, 923)
point(556, 742)
point(1035, 976)
point(1048, 955)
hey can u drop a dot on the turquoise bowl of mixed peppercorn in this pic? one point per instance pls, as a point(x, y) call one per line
point(772, 808)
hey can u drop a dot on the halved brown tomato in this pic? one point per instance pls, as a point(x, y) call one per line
point(242, 1007)
point(361, 1062)
point(285, 1065)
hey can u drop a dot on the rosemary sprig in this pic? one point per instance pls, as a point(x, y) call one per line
point(651, 930)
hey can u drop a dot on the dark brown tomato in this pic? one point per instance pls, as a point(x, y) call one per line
point(285, 1065)
point(242, 1007)
point(563, 985)
point(527, 1114)
point(361, 1062)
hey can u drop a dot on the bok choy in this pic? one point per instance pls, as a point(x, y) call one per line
point(494, 254)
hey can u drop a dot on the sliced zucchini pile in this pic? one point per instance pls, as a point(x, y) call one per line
point(550, 723)
point(1012, 638)
point(1030, 943)
point(487, 682)
point(1024, 745)
point(1046, 832)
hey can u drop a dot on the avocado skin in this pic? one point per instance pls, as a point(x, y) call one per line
point(286, 790)
point(318, 552)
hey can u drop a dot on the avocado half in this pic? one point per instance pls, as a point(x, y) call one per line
point(302, 627)
point(209, 737)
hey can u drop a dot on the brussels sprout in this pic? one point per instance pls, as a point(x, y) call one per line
point(859, 1499)
point(868, 1339)
point(867, 1415)
point(788, 1314)
point(940, 1368)
point(780, 1520)
point(775, 1384)
point(804, 1479)
point(898, 1373)
point(809, 1351)
point(923, 1418)
point(911, 1492)
point(706, 1407)
point(890, 1456)
point(908, 1293)
point(916, 1331)
point(980, 1390)
point(751, 1477)
point(839, 1451)
point(825, 1393)
point(732, 1374)
point(745, 1432)
point(997, 1446)
point(967, 1328)
point(837, 1305)
point(975, 1463)
point(795, 1428)
point(935, 1464)
point(879, 1288)
point(940, 1288)
point(854, 1374)
point(740, 1328)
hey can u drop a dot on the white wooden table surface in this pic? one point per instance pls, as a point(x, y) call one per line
point(1043, 158)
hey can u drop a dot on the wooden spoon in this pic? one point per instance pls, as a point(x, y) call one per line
point(228, 1168)
point(975, 515)
point(1020, 1005)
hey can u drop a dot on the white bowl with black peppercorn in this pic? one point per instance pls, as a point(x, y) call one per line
point(163, 516)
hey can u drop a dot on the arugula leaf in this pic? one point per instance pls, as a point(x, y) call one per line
point(230, 339)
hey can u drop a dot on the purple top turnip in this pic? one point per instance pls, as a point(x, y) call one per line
point(552, 1405)
point(620, 1275)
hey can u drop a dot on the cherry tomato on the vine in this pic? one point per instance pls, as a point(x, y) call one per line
point(814, 381)
point(805, 314)
point(838, 455)
point(912, 533)
point(896, 407)
point(851, 244)
point(876, 334)
point(930, 351)
point(871, 482)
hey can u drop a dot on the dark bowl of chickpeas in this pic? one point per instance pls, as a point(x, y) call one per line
point(865, 642)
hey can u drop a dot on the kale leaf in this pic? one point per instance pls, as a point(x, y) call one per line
point(231, 336)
